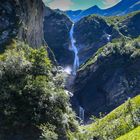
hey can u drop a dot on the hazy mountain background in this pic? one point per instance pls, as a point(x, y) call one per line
point(122, 8)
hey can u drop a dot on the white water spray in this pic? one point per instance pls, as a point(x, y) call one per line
point(68, 70)
point(75, 50)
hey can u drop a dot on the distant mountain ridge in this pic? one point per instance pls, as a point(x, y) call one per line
point(123, 7)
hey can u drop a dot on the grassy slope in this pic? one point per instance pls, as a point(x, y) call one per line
point(132, 135)
point(117, 123)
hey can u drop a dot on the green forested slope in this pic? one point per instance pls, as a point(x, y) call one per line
point(119, 46)
point(117, 123)
point(132, 135)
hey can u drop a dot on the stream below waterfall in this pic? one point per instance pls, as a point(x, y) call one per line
point(81, 113)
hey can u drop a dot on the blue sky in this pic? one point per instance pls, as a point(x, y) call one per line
point(79, 4)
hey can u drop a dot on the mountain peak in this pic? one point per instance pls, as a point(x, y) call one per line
point(121, 8)
point(95, 7)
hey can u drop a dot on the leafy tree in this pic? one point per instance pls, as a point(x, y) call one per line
point(32, 104)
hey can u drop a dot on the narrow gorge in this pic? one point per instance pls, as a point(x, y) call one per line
point(90, 83)
point(69, 75)
point(76, 65)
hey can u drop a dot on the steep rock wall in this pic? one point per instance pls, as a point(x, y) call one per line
point(56, 32)
point(22, 19)
point(8, 21)
point(31, 17)
point(93, 32)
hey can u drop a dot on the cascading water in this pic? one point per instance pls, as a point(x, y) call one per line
point(75, 50)
point(81, 113)
point(76, 66)
point(108, 36)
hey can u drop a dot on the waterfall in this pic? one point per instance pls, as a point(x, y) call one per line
point(108, 37)
point(75, 50)
point(81, 113)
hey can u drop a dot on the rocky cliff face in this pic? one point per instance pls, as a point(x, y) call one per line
point(109, 78)
point(8, 21)
point(93, 32)
point(22, 19)
point(31, 17)
point(56, 31)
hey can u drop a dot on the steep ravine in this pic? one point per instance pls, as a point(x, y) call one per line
point(103, 86)
point(75, 50)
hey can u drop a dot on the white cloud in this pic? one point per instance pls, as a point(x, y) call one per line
point(109, 3)
point(61, 4)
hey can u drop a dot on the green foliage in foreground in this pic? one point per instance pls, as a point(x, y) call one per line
point(119, 122)
point(132, 135)
point(33, 102)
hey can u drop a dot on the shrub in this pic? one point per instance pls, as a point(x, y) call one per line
point(31, 97)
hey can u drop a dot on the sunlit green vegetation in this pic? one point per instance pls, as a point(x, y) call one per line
point(127, 25)
point(33, 102)
point(117, 123)
point(132, 135)
point(121, 47)
point(116, 20)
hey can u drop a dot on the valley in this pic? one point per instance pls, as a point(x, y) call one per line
point(101, 46)
point(69, 75)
